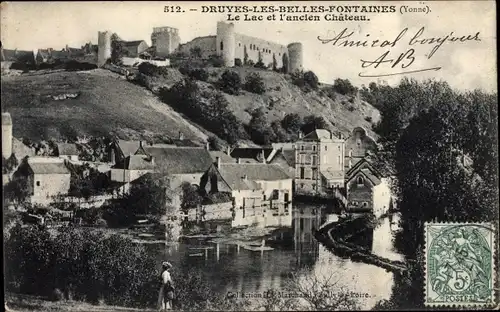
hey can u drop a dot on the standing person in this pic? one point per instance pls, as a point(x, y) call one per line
point(167, 288)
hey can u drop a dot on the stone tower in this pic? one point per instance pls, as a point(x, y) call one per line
point(6, 135)
point(165, 40)
point(295, 57)
point(226, 43)
point(104, 47)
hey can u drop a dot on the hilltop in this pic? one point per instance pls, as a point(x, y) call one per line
point(99, 102)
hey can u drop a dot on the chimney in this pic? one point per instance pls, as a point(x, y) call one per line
point(301, 135)
point(238, 160)
point(331, 135)
point(67, 48)
point(152, 160)
point(141, 144)
point(245, 177)
point(263, 157)
point(207, 146)
point(228, 150)
point(217, 161)
point(181, 136)
point(340, 135)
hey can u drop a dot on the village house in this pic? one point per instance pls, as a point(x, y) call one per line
point(368, 189)
point(261, 193)
point(131, 168)
point(9, 57)
point(319, 162)
point(44, 177)
point(67, 151)
point(285, 158)
point(251, 155)
point(358, 145)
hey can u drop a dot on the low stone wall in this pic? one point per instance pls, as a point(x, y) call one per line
point(135, 61)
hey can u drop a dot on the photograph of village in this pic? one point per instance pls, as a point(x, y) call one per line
point(206, 166)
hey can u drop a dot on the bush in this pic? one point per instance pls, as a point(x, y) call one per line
point(216, 61)
point(149, 69)
point(86, 265)
point(230, 82)
point(344, 87)
point(255, 84)
point(351, 108)
point(238, 62)
point(368, 118)
point(306, 81)
point(199, 74)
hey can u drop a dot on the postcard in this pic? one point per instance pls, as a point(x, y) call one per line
point(249, 156)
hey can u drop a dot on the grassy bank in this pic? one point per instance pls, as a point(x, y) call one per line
point(17, 302)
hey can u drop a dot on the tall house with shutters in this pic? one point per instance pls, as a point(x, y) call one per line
point(319, 162)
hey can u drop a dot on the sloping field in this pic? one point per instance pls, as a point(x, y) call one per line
point(104, 104)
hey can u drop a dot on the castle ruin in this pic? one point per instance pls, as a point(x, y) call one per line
point(226, 43)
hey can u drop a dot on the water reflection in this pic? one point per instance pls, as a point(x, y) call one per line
point(230, 267)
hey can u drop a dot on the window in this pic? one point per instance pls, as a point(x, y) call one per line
point(302, 170)
point(301, 185)
point(315, 173)
point(350, 163)
point(221, 46)
point(264, 197)
point(37, 183)
point(314, 186)
point(350, 152)
point(239, 44)
point(326, 148)
point(314, 160)
point(365, 204)
point(302, 148)
point(361, 181)
point(358, 141)
point(314, 147)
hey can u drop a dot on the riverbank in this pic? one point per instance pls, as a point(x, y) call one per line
point(356, 253)
point(22, 303)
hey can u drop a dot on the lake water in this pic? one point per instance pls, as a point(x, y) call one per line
point(231, 268)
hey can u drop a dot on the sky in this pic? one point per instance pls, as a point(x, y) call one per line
point(464, 65)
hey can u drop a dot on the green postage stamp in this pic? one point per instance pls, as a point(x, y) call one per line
point(459, 264)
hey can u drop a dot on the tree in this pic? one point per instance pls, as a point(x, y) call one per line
point(117, 50)
point(292, 122)
point(312, 123)
point(255, 84)
point(275, 63)
point(196, 52)
point(260, 63)
point(344, 87)
point(259, 128)
point(190, 196)
point(285, 63)
point(245, 55)
point(311, 79)
point(148, 195)
point(230, 82)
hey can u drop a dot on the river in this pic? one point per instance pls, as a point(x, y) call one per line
point(232, 268)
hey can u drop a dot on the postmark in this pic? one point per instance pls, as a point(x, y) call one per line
point(459, 264)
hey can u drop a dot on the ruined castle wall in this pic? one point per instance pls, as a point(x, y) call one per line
point(295, 56)
point(256, 45)
point(104, 47)
point(226, 43)
point(166, 40)
point(207, 45)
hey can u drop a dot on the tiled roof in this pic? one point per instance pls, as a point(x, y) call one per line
point(180, 160)
point(128, 147)
point(320, 135)
point(234, 174)
point(67, 149)
point(224, 158)
point(251, 153)
point(136, 162)
point(289, 156)
point(369, 174)
point(49, 168)
point(20, 150)
point(330, 174)
point(132, 43)
point(364, 167)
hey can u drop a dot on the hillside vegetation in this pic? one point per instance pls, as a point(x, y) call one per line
point(99, 103)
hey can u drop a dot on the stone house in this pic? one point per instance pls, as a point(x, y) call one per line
point(368, 189)
point(319, 162)
point(358, 145)
point(261, 193)
point(134, 48)
point(67, 151)
point(44, 177)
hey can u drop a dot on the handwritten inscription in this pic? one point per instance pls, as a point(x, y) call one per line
point(403, 61)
